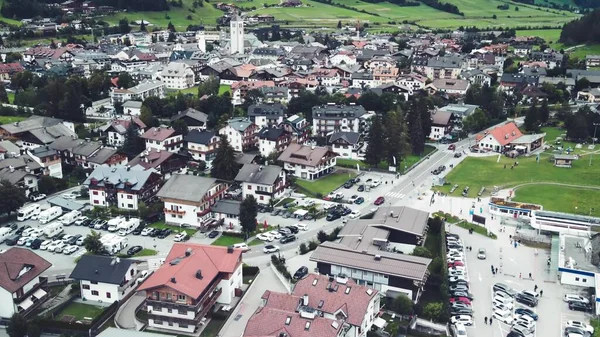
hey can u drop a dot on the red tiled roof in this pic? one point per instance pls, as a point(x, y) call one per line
point(354, 304)
point(159, 134)
point(10, 68)
point(153, 159)
point(503, 134)
point(210, 260)
point(15, 260)
point(279, 301)
point(272, 322)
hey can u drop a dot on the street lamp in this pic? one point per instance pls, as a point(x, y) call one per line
point(593, 142)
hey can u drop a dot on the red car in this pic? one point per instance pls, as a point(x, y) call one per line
point(452, 147)
point(455, 263)
point(379, 201)
point(460, 299)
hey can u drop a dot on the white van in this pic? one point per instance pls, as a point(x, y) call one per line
point(128, 226)
point(69, 218)
point(27, 212)
point(459, 330)
point(5, 233)
point(244, 247)
point(50, 214)
point(113, 224)
point(53, 229)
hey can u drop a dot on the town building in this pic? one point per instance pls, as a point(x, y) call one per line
point(49, 159)
point(236, 27)
point(139, 92)
point(178, 75)
point(202, 145)
point(193, 279)
point(22, 288)
point(105, 279)
point(331, 118)
point(188, 198)
point(194, 119)
point(444, 67)
point(506, 138)
point(441, 124)
point(346, 144)
point(264, 183)
point(121, 186)
point(272, 140)
point(37, 131)
point(228, 213)
point(308, 162)
point(163, 139)
point(116, 130)
point(163, 162)
point(241, 133)
point(267, 114)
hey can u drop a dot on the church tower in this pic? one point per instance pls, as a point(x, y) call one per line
point(201, 39)
point(236, 26)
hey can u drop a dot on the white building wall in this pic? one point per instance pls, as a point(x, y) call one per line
point(55, 170)
point(576, 278)
point(8, 308)
point(437, 132)
point(127, 201)
point(103, 290)
point(234, 137)
point(190, 217)
point(228, 286)
point(175, 326)
point(489, 142)
point(174, 313)
point(345, 152)
point(98, 199)
point(266, 147)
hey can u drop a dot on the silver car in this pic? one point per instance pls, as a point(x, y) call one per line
point(481, 254)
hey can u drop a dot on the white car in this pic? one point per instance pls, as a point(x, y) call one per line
point(580, 325)
point(270, 249)
point(143, 275)
point(146, 231)
point(44, 245)
point(575, 298)
point(38, 197)
point(302, 226)
point(329, 206)
point(66, 238)
point(80, 220)
point(457, 268)
point(309, 203)
point(353, 198)
point(457, 278)
point(180, 237)
point(375, 183)
point(452, 259)
point(59, 247)
point(22, 240)
point(36, 233)
point(264, 237)
point(530, 293)
point(497, 306)
point(457, 273)
point(464, 319)
point(80, 241)
point(69, 196)
point(53, 245)
point(275, 234)
point(459, 330)
point(70, 249)
point(524, 325)
point(503, 316)
point(481, 254)
point(354, 214)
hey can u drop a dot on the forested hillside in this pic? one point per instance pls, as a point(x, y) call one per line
point(583, 30)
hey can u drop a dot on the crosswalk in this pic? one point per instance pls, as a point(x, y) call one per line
point(396, 195)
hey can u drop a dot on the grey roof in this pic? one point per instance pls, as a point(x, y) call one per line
point(534, 71)
point(393, 264)
point(555, 80)
point(231, 207)
point(445, 62)
point(258, 174)
point(65, 143)
point(102, 155)
point(333, 111)
point(86, 148)
point(175, 69)
point(31, 123)
point(132, 104)
point(359, 237)
point(200, 137)
point(245, 158)
point(186, 187)
point(271, 133)
point(450, 84)
point(565, 157)
point(526, 139)
point(266, 109)
point(460, 109)
point(239, 124)
point(102, 269)
point(13, 177)
point(191, 113)
point(114, 332)
point(9, 146)
point(48, 134)
point(20, 162)
point(119, 176)
point(349, 137)
point(65, 203)
point(43, 151)
point(404, 219)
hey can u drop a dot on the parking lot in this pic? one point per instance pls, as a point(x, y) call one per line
point(514, 266)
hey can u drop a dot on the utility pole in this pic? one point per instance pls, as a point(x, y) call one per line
point(593, 142)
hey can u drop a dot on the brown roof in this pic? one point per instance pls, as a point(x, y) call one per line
point(441, 118)
point(401, 265)
point(159, 134)
point(503, 134)
point(354, 302)
point(14, 265)
point(153, 159)
point(305, 155)
point(210, 260)
point(268, 322)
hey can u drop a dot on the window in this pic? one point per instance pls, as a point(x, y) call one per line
point(85, 286)
point(584, 280)
point(249, 187)
point(129, 196)
point(181, 297)
point(93, 282)
point(182, 311)
point(108, 295)
point(168, 296)
point(130, 205)
point(95, 192)
point(169, 310)
point(577, 279)
point(95, 292)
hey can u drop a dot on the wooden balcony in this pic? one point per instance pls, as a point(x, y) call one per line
point(172, 211)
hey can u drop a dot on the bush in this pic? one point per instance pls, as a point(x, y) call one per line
point(303, 249)
point(234, 234)
point(422, 252)
point(322, 236)
point(312, 245)
point(433, 310)
point(401, 305)
point(249, 270)
point(435, 225)
point(334, 234)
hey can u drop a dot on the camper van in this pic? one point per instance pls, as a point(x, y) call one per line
point(115, 245)
point(5, 233)
point(128, 226)
point(113, 224)
point(69, 218)
point(53, 229)
point(50, 214)
point(26, 212)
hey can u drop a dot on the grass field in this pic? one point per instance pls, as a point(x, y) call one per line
point(225, 240)
point(175, 229)
point(223, 88)
point(80, 311)
point(326, 184)
point(571, 200)
point(406, 163)
point(549, 35)
point(11, 119)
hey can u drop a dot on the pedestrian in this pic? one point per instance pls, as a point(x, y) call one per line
point(485, 319)
point(496, 270)
point(530, 276)
point(490, 321)
point(535, 288)
point(519, 275)
point(541, 293)
point(510, 237)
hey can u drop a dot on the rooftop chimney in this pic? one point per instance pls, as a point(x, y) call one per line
point(199, 274)
point(173, 280)
point(230, 250)
point(188, 252)
point(305, 299)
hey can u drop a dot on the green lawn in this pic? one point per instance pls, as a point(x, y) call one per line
point(11, 96)
point(175, 229)
point(80, 311)
point(476, 228)
point(192, 90)
point(11, 119)
point(404, 164)
point(571, 200)
point(326, 184)
point(224, 88)
point(549, 35)
point(146, 252)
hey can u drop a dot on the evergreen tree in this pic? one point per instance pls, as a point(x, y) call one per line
point(143, 26)
point(397, 144)
point(248, 212)
point(12, 197)
point(417, 138)
point(544, 111)
point(375, 151)
point(124, 27)
point(133, 144)
point(532, 118)
point(125, 80)
point(171, 37)
point(17, 326)
point(180, 126)
point(3, 95)
point(339, 26)
point(170, 27)
point(209, 87)
point(224, 166)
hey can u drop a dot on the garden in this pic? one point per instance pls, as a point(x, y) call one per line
point(323, 186)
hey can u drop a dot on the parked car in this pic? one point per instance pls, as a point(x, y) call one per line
point(580, 325)
point(82, 221)
point(527, 300)
point(35, 244)
point(180, 237)
point(528, 312)
point(270, 249)
point(13, 226)
point(361, 188)
point(287, 239)
point(354, 214)
point(333, 216)
point(70, 249)
point(353, 198)
point(504, 288)
point(265, 237)
point(80, 241)
point(147, 231)
point(464, 319)
point(293, 229)
point(301, 273)
point(575, 298)
point(359, 200)
point(134, 250)
point(462, 294)
point(379, 201)
point(580, 306)
point(302, 226)
point(164, 233)
point(37, 197)
point(69, 196)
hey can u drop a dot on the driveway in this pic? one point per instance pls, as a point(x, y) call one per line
point(125, 317)
point(266, 280)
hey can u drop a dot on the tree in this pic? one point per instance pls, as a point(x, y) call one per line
point(209, 87)
point(47, 185)
point(417, 138)
point(339, 25)
point(180, 126)
point(402, 305)
point(12, 197)
point(375, 151)
point(17, 326)
point(124, 27)
point(544, 111)
point(476, 121)
point(433, 310)
point(3, 95)
point(142, 26)
point(532, 118)
point(125, 80)
point(248, 212)
point(322, 236)
point(494, 16)
point(564, 111)
point(93, 244)
point(396, 134)
point(224, 166)
point(422, 252)
point(33, 329)
point(170, 27)
point(133, 144)
point(303, 104)
point(147, 117)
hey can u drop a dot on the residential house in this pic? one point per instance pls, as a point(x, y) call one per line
point(35, 53)
point(308, 162)
point(444, 67)
point(440, 124)
point(476, 76)
point(331, 118)
point(266, 114)
point(239, 89)
point(202, 145)
point(448, 86)
point(273, 140)
point(167, 139)
point(7, 70)
point(592, 61)
point(460, 110)
point(193, 279)
point(105, 279)
point(132, 108)
point(299, 128)
point(508, 137)
point(22, 286)
point(241, 133)
point(188, 199)
point(228, 213)
point(589, 95)
point(522, 50)
point(413, 81)
point(49, 159)
point(23, 178)
point(139, 92)
point(264, 183)
point(194, 119)
point(116, 130)
point(37, 131)
point(164, 162)
point(178, 75)
point(91, 154)
point(346, 144)
point(122, 186)
point(8, 150)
